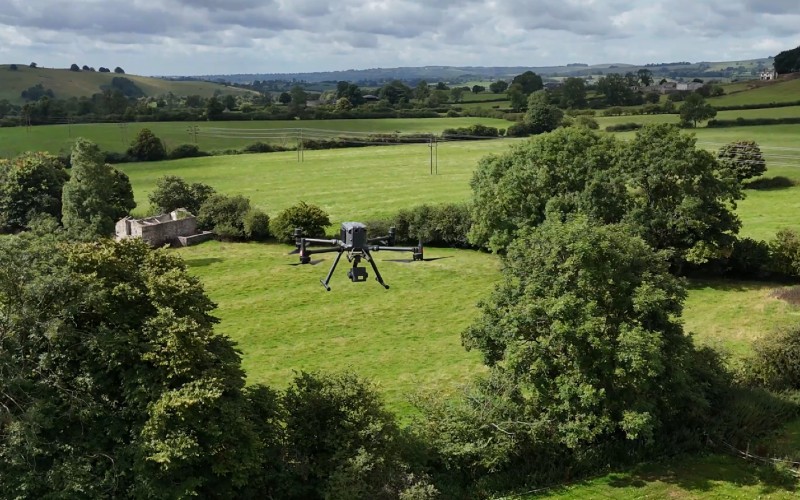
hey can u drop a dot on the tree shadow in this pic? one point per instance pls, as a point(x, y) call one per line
point(770, 183)
point(729, 285)
point(202, 262)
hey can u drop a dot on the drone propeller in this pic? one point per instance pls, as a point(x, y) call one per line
point(408, 261)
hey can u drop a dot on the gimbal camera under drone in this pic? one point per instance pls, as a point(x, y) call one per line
point(353, 243)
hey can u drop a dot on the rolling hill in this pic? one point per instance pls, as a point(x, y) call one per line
point(65, 83)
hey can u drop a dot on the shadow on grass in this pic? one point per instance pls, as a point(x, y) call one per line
point(724, 285)
point(770, 183)
point(202, 262)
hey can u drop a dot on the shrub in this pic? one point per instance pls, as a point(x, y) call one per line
point(147, 147)
point(750, 259)
point(742, 160)
point(224, 215)
point(256, 225)
point(624, 127)
point(775, 363)
point(445, 225)
point(518, 130)
point(785, 250)
point(586, 121)
point(116, 157)
point(186, 151)
point(173, 192)
point(259, 147)
point(311, 218)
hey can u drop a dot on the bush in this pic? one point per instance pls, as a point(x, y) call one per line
point(256, 225)
point(173, 192)
point(444, 225)
point(586, 121)
point(748, 122)
point(624, 127)
point(115, 157)
point(785, 250)
point(471, 132)
point(259, 147)
point(742, 160)
point(311, 218)
point(750, 259)
point(186, 151)
point(518, 130)
point(147, 147)
point(775, 363)
point(224, 215)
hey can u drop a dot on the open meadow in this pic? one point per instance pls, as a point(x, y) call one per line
point(211, 135)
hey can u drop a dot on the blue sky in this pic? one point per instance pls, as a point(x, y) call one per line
point(190, 37)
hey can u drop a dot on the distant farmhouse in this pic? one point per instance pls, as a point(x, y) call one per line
point(768, 74)
point(176, 228)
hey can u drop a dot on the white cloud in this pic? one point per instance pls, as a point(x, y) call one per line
point(212, 36)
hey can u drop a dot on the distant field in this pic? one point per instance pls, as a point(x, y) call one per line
point(787, 112)
point(116, 137)
point(65, 83)
point(781, 91)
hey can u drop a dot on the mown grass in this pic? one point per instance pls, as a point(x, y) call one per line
point(212, 135)
point(405, 338)
point(765, 93)
point(787, 112)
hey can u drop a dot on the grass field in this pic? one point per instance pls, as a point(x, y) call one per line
point(212, 135)
point(779, 91)
point(65, 83)
point(787, 112)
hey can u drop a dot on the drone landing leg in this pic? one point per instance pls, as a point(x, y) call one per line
point(330, 273)
point(378, 276)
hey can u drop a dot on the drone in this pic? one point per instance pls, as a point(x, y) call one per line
point(355, 245)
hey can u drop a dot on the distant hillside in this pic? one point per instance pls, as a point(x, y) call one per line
point(65, 83)
point(453, 74)
point(785, 89)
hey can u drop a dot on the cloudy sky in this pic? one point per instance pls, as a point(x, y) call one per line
point(190, 37)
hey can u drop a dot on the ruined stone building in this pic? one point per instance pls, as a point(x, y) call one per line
point(176, 228)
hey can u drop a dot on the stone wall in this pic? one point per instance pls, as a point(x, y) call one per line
point(160, 230)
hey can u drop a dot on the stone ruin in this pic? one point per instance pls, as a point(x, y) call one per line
point(176, 228)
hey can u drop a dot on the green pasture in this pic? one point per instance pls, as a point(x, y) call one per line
point(405, 338)
point(211, 135)
point(787, 112)
point(763, 93)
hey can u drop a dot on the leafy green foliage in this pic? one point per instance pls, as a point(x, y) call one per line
point(147, 147)
point(96, 194)
point(115, 384)
point(256, 225)
point(788, 61)
point(541, 115)
point(224, 215)
point(695, 109)
point(30, 184)
point(679, 200)
point(446, 224)
point(311, 218)
point(775, 363)
point(585, 324)
point(186, 151)
point(172, 192)
point(785, 250)
point(567, 170)
point(742, 159)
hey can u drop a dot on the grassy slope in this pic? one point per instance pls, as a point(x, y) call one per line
point(66, 83)
point(115, 137)
point(765, 93)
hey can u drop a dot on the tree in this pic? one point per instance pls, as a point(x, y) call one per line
point(30, 184)
point(285, 98)
point(12, 67)
point(214, 108)
point(742, 160)
point(442, 86)
point(645, 77)
point(224, 215)
point(101, 69)
point(517, 97)
point(498, 87)
point(422, 91)
point(230, 102)
point(541, 115)
point(74, 67)
point(788, 61)
point(172, 192)
point(147, 147)
point(119, 70)
point(115, 384)
point(586, 325)
point(681, 202)
point(299, 98)
point(529, 82)
point(395, 92)
point(121, 201)
point(312, 219)
point(477, 89)
point(573, 93)
point(568, 170)
point(88, 211)
point(696, 109)
point(616, 89)
point(32, 65)
point(456, 94)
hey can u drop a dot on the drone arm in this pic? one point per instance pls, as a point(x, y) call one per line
point(312, 251)
point(377, 248)
point(378, 276)
point(330, 272)
point(322, 242)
